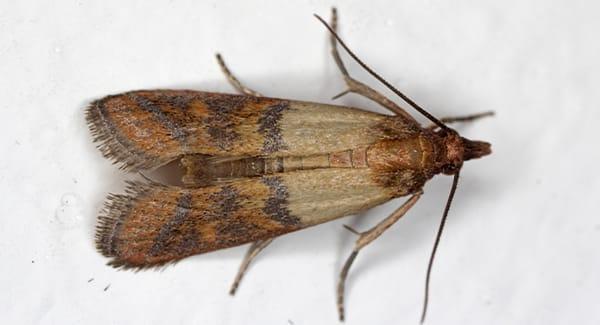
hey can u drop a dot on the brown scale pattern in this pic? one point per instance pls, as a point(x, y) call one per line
point(156, 224)
point(249, 177)
point(147, 129)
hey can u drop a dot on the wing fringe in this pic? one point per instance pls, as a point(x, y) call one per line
point(116, 209)
point(113, 146)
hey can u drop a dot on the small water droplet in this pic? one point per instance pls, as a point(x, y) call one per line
point(69, 199)
point(487, 300)
point(68, 214)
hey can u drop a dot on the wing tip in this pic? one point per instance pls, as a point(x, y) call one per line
point(111, 144)
point(115, 212)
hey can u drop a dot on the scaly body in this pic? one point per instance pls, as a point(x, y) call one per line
point(259, 167)
point(305, 164)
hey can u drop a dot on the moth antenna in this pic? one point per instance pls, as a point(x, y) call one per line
point(437, 242)
point(383, 81)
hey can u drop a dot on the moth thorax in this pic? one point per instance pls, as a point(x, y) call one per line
point(393, 155)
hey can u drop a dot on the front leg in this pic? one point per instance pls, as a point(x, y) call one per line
point(464, 118)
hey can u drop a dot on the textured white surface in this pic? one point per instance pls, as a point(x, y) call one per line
point(521, 245)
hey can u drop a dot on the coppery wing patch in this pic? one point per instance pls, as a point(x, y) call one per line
point(167, 236)
point(161, 116)
point(154, 224)
point(112, 142)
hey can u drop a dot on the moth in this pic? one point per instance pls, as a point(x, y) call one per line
point(256, 168)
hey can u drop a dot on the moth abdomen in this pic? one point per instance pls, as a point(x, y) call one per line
point(201, 170)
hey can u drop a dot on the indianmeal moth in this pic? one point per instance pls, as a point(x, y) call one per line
point(256, 168)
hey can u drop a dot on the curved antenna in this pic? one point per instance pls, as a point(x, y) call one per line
point(437, 242)
point(383, 81)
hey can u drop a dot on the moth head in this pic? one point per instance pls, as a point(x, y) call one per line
point(459, 149)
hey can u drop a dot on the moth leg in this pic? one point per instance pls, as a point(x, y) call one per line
point(233, 80)
point(366, 238)
point(253, 251)
point(464, 118)
point(357, 87)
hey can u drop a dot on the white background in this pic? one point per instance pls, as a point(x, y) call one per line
point(522, 242)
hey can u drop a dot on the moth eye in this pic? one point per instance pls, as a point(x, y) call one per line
point(449, 169)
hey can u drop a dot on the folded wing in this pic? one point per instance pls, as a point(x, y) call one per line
point(155, 224)
point(147, 129)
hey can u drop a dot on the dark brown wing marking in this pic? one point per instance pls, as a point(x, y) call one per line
point(276, 204)
point(155, 224)
point(219, 120)
point(164, 237)
point(155, 107)
point(269, 127)
point(146, 129)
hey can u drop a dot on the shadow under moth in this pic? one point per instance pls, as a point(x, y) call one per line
point(256, 168)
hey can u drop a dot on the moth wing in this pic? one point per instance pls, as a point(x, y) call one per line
point(155, 224)
point(147, 129)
